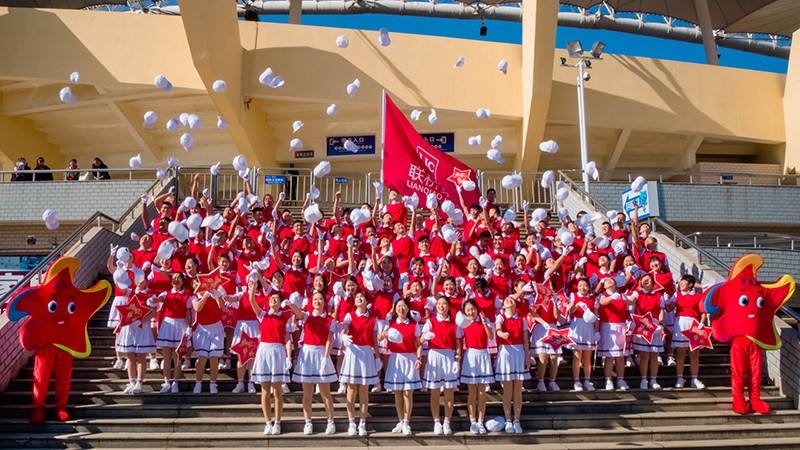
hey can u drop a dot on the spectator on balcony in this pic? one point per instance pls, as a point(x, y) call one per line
point(44, 176)
point(99, 174)
point(74, 174)
point(22, 164)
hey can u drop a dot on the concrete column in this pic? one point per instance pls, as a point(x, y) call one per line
point(791, 109)
point(707, 31)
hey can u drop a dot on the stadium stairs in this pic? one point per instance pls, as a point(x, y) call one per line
point(104, 417)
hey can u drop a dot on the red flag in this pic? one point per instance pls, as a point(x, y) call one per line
point(411, 164)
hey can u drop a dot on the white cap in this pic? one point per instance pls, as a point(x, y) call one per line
point(496, 141)
point(222, 124)
point(65, 95)
point(562, 194)
point(638, 184)
point(194, 222)
point(187, 141)
point(173, 161)
point(502, 66)
point(495, 156)
point(136, 162)
point(184, 118)
point(162, 83)
point(161, 174)
point(50, 219)
point(172, 124)
point(295, 144)
point(322, 169)
point(512, 181)
point(538, 215)
point(350, 146)
point(332, 109)
point(239, 162)
point(342, 41)
point(591, 170)
point(352, 88)
point(219, 86)
point(150, 118)
point(415, 114)
point(75, 77)
point(474, 140)
point(433, 119)
point(468, 185)
point(194, 122)
point(459, 62)
point(296, 125)
point(383, 37)
point(547, 179)
point(312, 214)
point(214, 222)
point(483, 113)
point(549, 146)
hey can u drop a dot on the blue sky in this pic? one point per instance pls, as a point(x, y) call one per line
point(511, 32)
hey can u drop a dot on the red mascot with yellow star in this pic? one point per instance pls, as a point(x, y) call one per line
point(743, 310)
point(56, 330)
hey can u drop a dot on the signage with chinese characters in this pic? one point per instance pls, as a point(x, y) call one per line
point(365, 145)
point(646, 201)
point(443, 141)
point(274, 179)
point(340, 180)
point(301, 154)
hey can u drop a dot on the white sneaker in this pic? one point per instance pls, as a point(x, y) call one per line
point(510, 427)
point(541, 387)
point(174, 388)
point(473, 428)
point(680, 382)
point(670, 361)
point(376, 388)
point(268, 429)
point(185, 364)
point(285, 388)
point(161, 365)
point(154, 364)
point(276, 429)
point(212, 388)
point(559, 361)
point(239, 388)
point(643, 384)
point(577, 387)
point(553, 386)
point(198, 387)
point(128, 388)
point(446, 429)
point(437, 429)
point(316, 389)
point(351, 429)
point(654, 384)
point(331, 428)
point(398, 428)
point(609, 385)
point(488, 388)
point(127, 364)
point(342, 388)
point(251, 388)
point(119, 364)
point(697, 384)
point(622, 385)
point(165, 387)
point(308, 429)
point(406, 429)
point(137, 388)
point(362, 429)
point(660, 361)
point(481, 428)
point(588, 385)
point(629, 362)
point(517, 427)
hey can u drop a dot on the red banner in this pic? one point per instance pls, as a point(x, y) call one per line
point(411, 164)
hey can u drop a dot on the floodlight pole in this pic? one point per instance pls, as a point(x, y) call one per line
point(582, 123)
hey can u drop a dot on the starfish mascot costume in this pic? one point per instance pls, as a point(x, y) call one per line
point(743, 310)
point(56, 330)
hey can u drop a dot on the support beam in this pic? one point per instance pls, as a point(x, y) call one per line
point(132, 122)
point(18, 137)
point(44, 99)
point(295, 11)
point(540, 19)
point(212, 30)
point(622, 140)
point(689, 156)
point(791, 109)
point(707, 31)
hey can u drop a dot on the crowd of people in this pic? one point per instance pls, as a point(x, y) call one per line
point(42, 172)
point(396, 297)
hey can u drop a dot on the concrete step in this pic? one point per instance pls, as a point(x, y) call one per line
point(459, 422)
point(594, 436)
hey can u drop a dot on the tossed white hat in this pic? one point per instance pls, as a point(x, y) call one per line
point(342, 41)
point(562, 194)
point(65, 95)
point(483, 113)
point(512, 181)
point(194, 122)
point(172, 124)
point(239, 162)
point(638, 184)
point(566, 238)
point(468, 185)
point(547, 179)
point(332, 109)
point(187, 142)
point(194, 222)
point(150, 118)
point(214, 222)
point(135, 162)
point(322, 169)
point(222, 124)
point(415, 114)
point(383, 37)
point(162, 83)
point(591, 170)
point(433, 119)
point(350, 146)
point(474, 140)
point(459, 62)
point(352, 88)
point(496, 142)
point(75, 77)
point(502, 66)
point(173, 161)
point(162, 175)
point(495, 156)
point(550, 146)
point(296, 125)
point(538, 215)
point(312, 214)
point(219, 86)
point(295, 144)
point(50, 219)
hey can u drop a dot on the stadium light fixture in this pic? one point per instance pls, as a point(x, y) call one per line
point(574, 49)
point(597, 49)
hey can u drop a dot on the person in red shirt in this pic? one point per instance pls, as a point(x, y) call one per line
point(613, 311)
point(403, 244)
point(653, 302)
point(174, 327)
point(208, 338)
point(402, 371)
point(441, 372)
point(584, 329)
point(396, 208)
point(689, 308)
point(513, 360)
point(476, 370)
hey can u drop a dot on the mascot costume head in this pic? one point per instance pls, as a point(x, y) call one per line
point(56, 330)
point(743, 310)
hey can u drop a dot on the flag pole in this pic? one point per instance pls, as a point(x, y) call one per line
point(383, 127)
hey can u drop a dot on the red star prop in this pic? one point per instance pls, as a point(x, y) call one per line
point(213, 280)
point(699, 337)
point(743, 306)
point(183, 346)
point(229, 314)
point(557, 338)
point(644, 326)
point(544, 293)
point(59, 312)
point(135, 310)
point(563, 300)
point(246, 348)
point(460, 176)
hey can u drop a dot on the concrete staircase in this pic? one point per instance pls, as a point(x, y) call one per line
point(105, 417)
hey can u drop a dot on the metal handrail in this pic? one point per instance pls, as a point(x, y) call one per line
point(721, 178)
point(677, 236)
point(756, 240)
point(95, 220)
point(81, 171)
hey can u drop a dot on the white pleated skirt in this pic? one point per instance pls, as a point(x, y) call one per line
point(312, 366)
point(678, 339)
point(477, 367)
point(441, 370)
point(209, 340)
point(612, 340)
point(133, 339)
point(669, 318)
point(113, 313)
point(510, 364)
point(270, 364)
point(401, 375)
point(358, 366)
point(583, 335)
point(538, 348)
point(171, 332)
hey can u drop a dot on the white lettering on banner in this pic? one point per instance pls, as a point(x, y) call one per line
point(420, 180)
point(431, 162)
point(415, 173)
